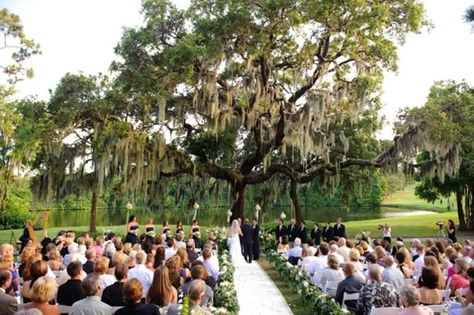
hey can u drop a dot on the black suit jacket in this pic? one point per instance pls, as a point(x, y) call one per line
point(70, 292)
point(88, 267)
point(303, 234)
point(139, 309)
point(316, 236)
point(340, 231)
point(327, 234)
point(247, 231)
point(256, 233)
point(112, 294)
point(280, 231)
point(292, 232)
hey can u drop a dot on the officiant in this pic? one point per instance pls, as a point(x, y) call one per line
point(256, 239)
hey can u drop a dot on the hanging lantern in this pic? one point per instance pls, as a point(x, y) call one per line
point(283, 215)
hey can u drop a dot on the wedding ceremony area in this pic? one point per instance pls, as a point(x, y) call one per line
point(236, 157)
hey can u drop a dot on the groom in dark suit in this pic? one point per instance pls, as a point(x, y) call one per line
point(256, 239)
point(247, 240)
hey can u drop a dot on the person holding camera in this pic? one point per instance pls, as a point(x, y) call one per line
point(387, 232)
point(452, 231)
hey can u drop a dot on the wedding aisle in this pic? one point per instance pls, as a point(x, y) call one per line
point(256, 293)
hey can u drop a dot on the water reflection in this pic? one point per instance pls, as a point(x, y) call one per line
point(217, 215)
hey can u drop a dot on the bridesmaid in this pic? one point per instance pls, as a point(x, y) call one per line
point(149, 227)
point(195, 231)
point(179, 227)
point(165, 228)
point(132, 230)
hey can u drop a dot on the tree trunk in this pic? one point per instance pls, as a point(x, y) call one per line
point(462, 219)
point(238, 205)
point(93, 222)
point(294, 199)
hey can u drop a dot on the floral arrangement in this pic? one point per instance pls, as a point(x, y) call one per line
point(225, 297)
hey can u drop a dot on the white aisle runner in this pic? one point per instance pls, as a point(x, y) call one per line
point(256, 293)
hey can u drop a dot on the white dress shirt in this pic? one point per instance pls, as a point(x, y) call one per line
point(91, 305)
point(142, 274)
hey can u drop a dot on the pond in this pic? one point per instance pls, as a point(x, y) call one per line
point(216, 215)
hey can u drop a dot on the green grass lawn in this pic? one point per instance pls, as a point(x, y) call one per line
point(406, 199)
point(290, 295)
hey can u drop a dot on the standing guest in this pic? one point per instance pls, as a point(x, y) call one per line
point(349, 285)
point(197, 273)
point(44, 290)
point(132, 295)
point(101, 267)
point(410, 298)
point(292, 230)
point(303, 233)
point(452, 231)
point(196, 234)
point(191, 251)
point(165, 228)
point(327, 232)
point(316, 234)
point(195, 294)
point(339, 229)
point(71, 291)
point(376, 292)
point(392, 275)
point(280, 231)
point(8, 304)
point(91, 304)
point(113, 294)
point(88, 266)
point(428, 287)
point(132, 230)
point(161, 292)
point(256, 239)
point(387, 233)
point(459, 280)
point(179, 227)
point(141, 272)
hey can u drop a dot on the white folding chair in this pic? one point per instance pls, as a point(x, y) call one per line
point(330, 288)
point(463, 291)
point(445, 294)
point(448, 282)
point(64, 309)
point(385, 310)
point(408, 281)
point(349, 297)
point(438, 308)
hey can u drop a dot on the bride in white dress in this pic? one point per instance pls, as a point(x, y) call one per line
point(234, 244)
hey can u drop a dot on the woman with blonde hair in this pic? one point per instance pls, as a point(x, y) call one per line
point(44, 290)
point(460, 279)
point(161, 292)
point(6, 263)
point(184, 271)
point(432, 262)
point(55, 261)
point(101, 267)
point(174, 266)
point(37, 270)
point(332, 272)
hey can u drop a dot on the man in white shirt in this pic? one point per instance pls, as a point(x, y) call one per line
point(210, 262)
point(170, 249)
point(91, 305)
point(392, 274)
point(141, 272)
point(316, 267)
point(343, 250)
point(179, 241)
point(420, 261)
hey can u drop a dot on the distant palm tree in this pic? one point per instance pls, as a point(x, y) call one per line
point(469, 16)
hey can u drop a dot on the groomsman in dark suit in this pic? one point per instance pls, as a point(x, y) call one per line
point(339, 229)
point(303, 233)
point(327, 232)
point(292, 230)
point(256, 239)
point(247, 240)
point(280, 231)
point(316, 234)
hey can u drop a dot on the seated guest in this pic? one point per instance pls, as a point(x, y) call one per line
point(38, 269)
point(372, 260)
point(354, 259)
point(283, 247)
point(431, 262)
point(428, 287)
point(332, 272)
point(101, 267)
point(8, 304)
point(308, 259)
point(401, 258)
point(210, 262)
point(91, 304)
point(210, 281)
point(191, 251)
point(376, 292)
point(174, 268)
point(343, 250)
point(54, 260)
point(195, 294)
point(140, 271)
point(159, 257)
point(391, 274)
point(71, 291)
point(179, 241)
point(170, 248)
point(410, 298)
point(294, 254)
point(44, 290)
point(350, 284)
point(333, 251)
point(112, 295)
point(459, 280)
point(161, 292)
point(88, 266)
point(315, 268)
point(197, 273)
point(132, 295)
point(185, 271)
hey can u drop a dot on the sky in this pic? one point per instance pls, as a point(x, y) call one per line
point(80, 36)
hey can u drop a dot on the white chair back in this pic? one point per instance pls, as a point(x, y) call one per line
point(385, 310)
point(330, 287)
point(64, 309)
point(349, 297)
point(445, 294)
point(438, 309)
